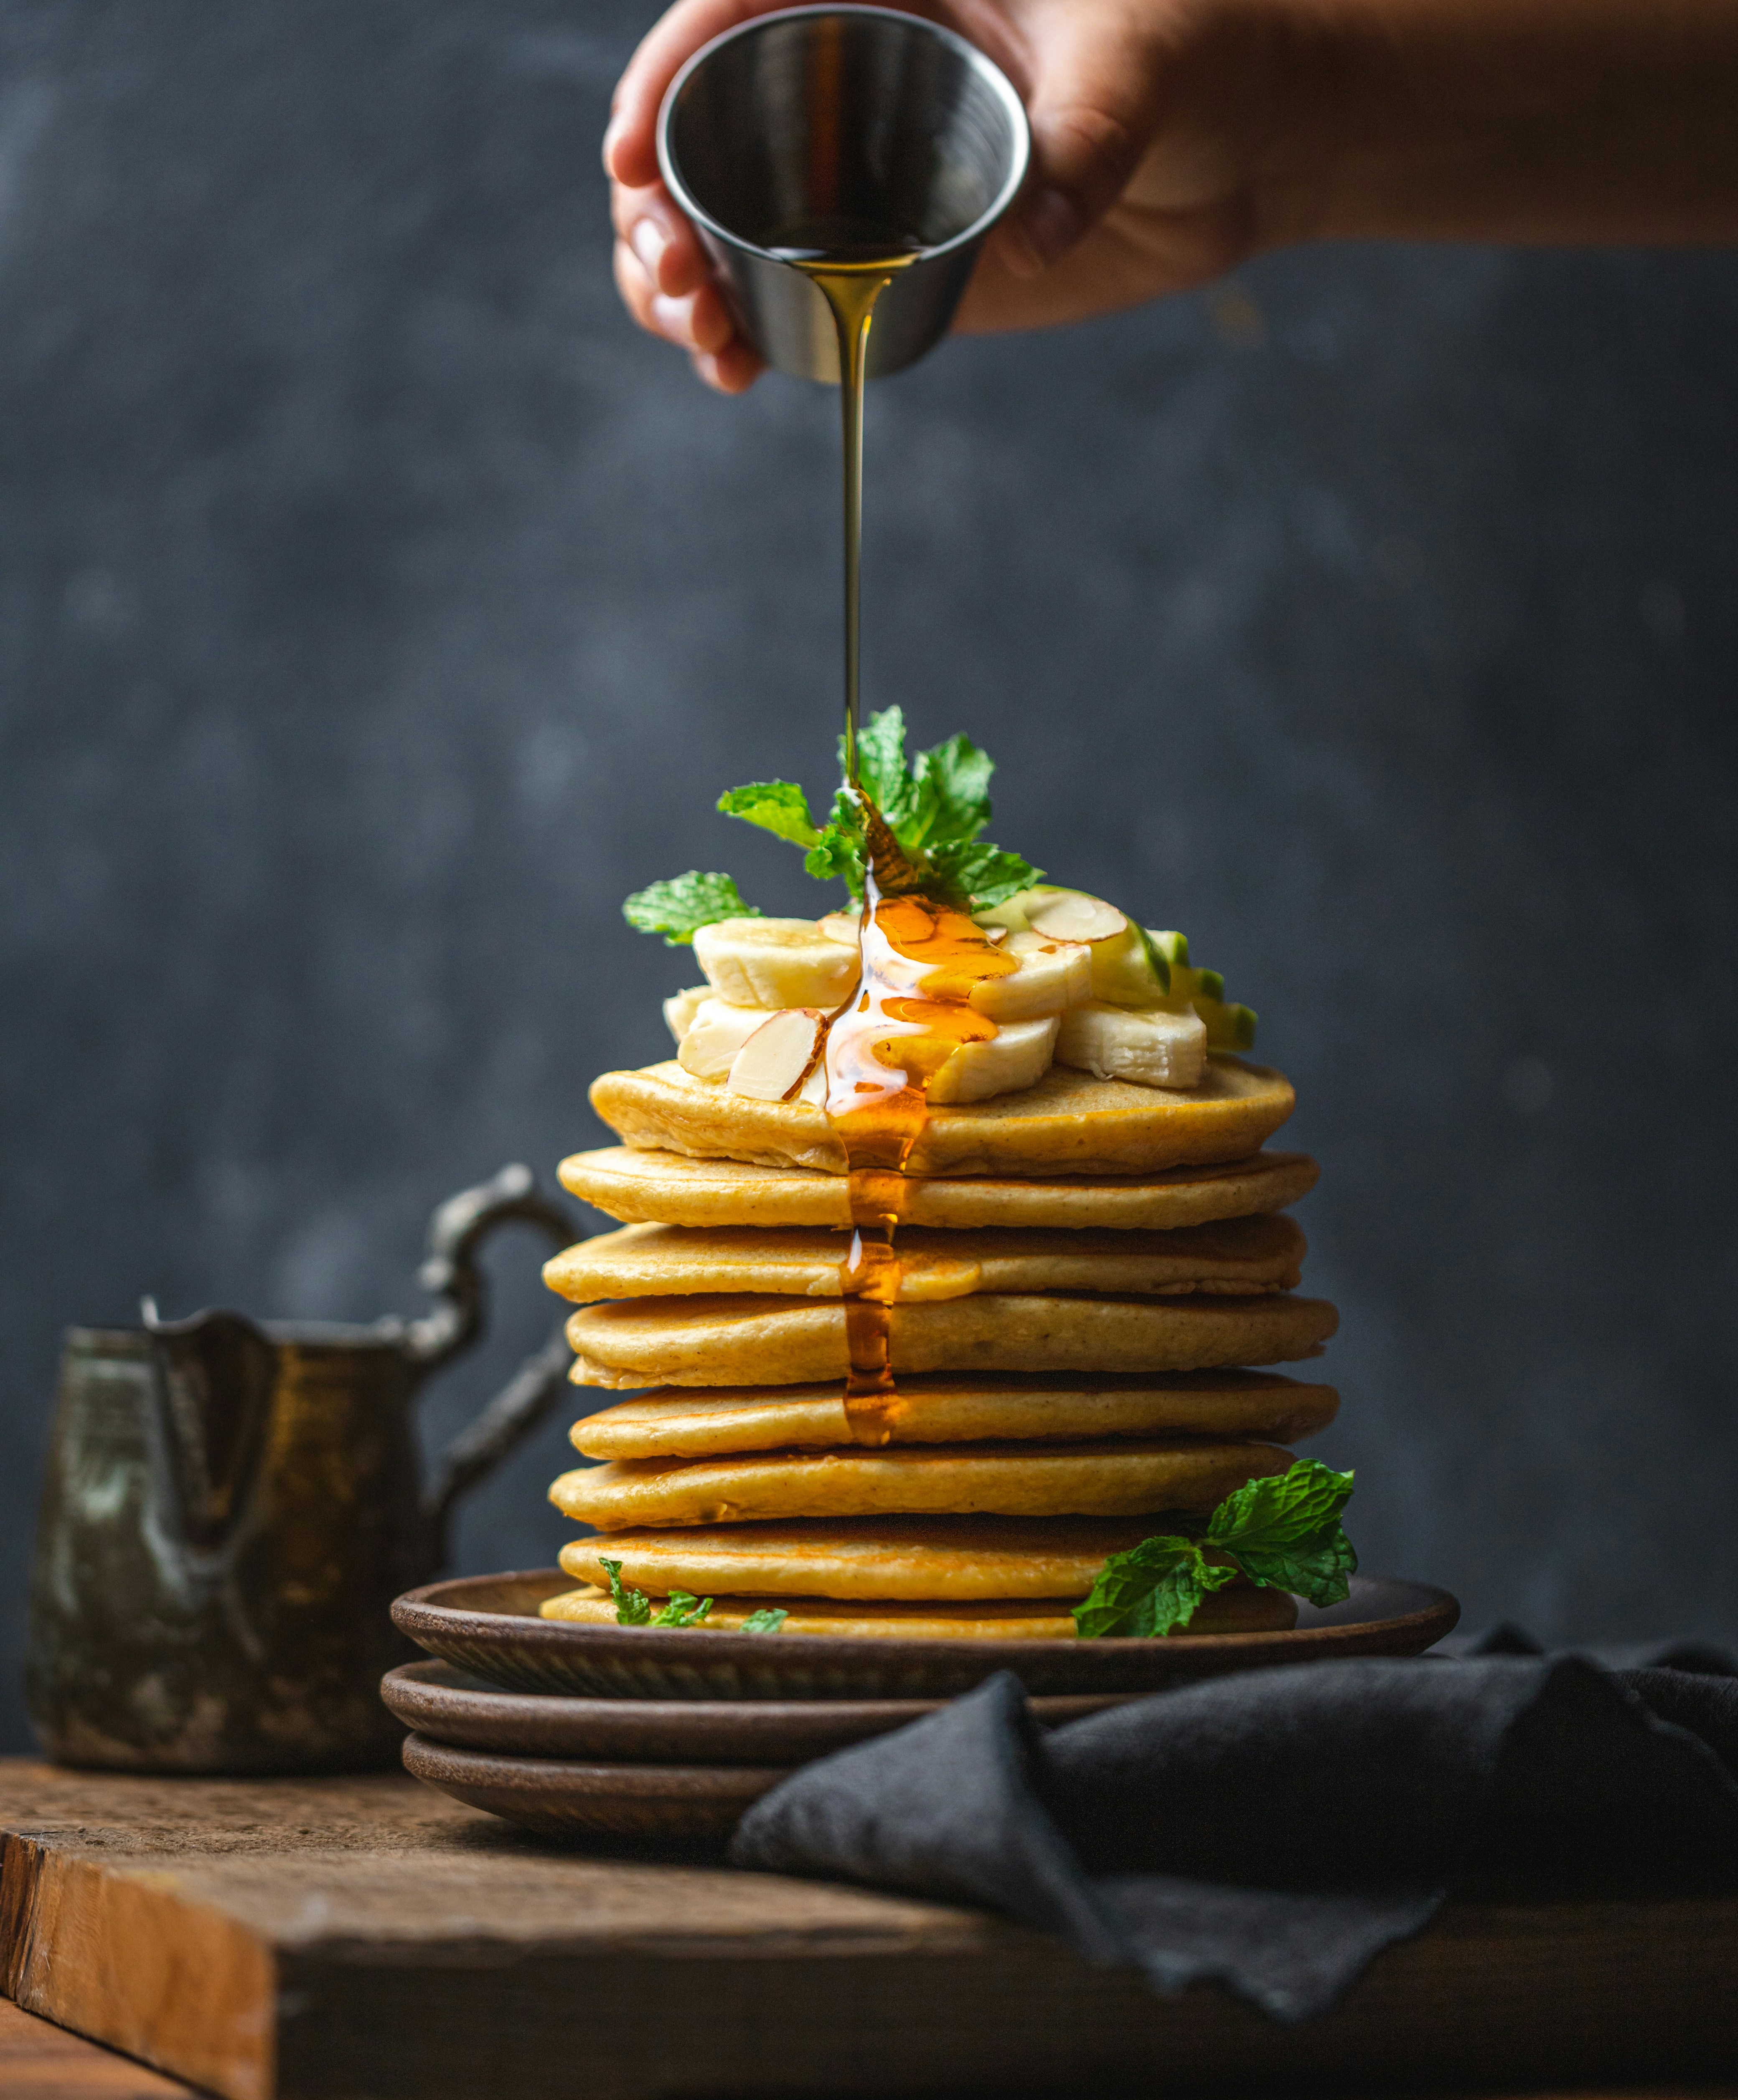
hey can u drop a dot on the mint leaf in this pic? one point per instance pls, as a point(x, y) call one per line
point(1150, 1589)
point(682, 1608)
point(632, 1607)
point(1280, 1507)
point(954, 779)
point(1284, 1532)
point(978, 875)
point(777, 807)
point(838, 852)
point(880, 763)
point(679, 907)
point(765, 1621)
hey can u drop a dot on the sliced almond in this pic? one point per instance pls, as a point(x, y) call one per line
point(1071, 914)
point(772, 1064)
point(714, 1035)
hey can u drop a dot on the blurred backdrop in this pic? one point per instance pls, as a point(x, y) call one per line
point(376, 607)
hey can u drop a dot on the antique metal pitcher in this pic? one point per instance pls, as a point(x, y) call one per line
point(229, 1509)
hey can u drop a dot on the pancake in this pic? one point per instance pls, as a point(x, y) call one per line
point(1236, 1257)
point(742, 1340)
point(950, 1410)
point(1109, 1478)
point(1068, 1123)
point(668, 1188)
point(962, 1559)
point(1227, 1611)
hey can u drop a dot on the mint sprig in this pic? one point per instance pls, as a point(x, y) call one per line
point(1283, 1532)
point(679, 907)
point(935, 805)
point(634, 1608)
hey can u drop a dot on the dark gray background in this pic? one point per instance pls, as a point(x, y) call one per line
point(376, 607)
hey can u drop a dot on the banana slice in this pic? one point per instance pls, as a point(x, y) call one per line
point(846, 926)
point(717, 1031)
point(1017, 1055)
point(774, 963)
point(1153, 1048)
point(1052, 975)
point(681, 1006)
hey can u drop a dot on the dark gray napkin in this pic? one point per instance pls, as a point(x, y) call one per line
point(1276, 1830)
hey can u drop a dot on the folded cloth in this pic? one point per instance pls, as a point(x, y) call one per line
point(1275, 1830)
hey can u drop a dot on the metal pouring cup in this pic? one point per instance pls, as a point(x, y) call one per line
point(841, 113)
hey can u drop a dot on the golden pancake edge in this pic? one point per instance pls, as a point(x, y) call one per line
point(1117, 1477)
point(631, 1343)
point(941, 1410)
point(1068, 1123)
point(642, 1186)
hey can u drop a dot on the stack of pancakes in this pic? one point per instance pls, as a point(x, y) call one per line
point(1089, 1270)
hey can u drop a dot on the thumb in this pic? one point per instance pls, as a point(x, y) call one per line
point(1093, 107)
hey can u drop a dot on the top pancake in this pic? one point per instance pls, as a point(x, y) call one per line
point(642, 1187)
point(1237, 1256)
point(1068, 1123)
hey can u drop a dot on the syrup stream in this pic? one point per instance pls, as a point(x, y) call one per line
point(911, 1010)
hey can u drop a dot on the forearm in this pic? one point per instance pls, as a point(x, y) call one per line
point(1515, 121)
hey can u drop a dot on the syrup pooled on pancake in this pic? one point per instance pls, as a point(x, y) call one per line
point(908, 1015)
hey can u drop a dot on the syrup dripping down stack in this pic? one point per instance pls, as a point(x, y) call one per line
point(918, 1370)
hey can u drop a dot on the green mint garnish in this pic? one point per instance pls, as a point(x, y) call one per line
point(1282, 1532)
point(679, 907)
point(765, 1621)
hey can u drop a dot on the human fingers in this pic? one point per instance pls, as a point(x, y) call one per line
point(664, 240)
point(1092, 100)
point(630, 153)
point(698, 322)
point(731, 370)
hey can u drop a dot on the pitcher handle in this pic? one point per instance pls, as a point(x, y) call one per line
point(456, 1232)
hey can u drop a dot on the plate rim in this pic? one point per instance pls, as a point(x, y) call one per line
point(642, 1778)
point(424, 1607)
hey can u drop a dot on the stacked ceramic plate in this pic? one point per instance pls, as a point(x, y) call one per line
point(587, 1731)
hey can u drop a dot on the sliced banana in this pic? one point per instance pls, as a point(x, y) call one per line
point(681, 1006)
point(717, 1031)
point(1052, 975)
point(1123, 973)
point(845, 926)
point(775, 963)
point(1015, 1056)
point(1153, 1048)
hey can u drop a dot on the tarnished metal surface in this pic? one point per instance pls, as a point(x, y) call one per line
point(229, 1509)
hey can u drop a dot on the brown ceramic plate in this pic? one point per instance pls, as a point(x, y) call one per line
point(559, 1798)
point(487, 1625)
point(444, 1705)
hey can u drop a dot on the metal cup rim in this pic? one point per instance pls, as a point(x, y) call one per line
point(993, 75)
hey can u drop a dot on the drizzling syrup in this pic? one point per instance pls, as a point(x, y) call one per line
point(851, 262)
point(910, 1011)
point(908, 1015)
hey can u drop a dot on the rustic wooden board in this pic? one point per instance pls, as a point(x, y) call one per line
point(286, 1939)
point(38, 2061)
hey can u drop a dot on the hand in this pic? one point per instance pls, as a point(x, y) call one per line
point(1173, 138)
point(1144, 118)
